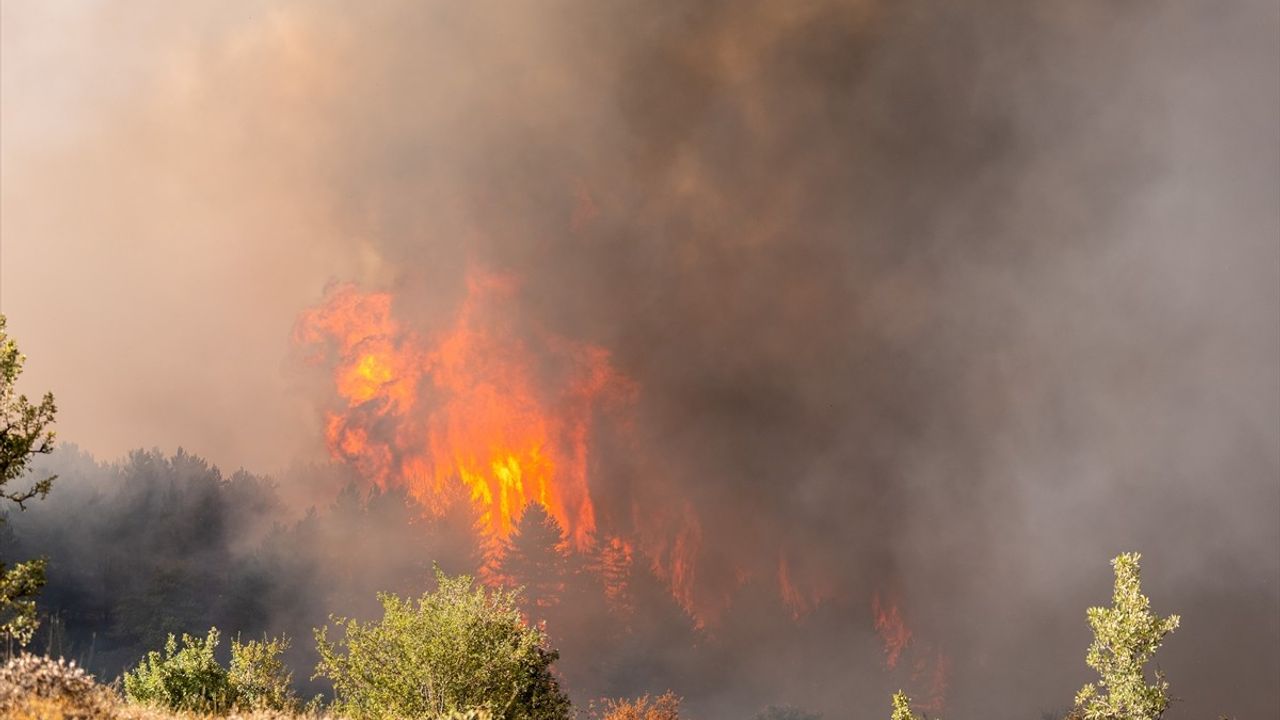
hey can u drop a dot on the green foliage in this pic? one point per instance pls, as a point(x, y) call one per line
point(187, 679)
point(902, 707)
point(259, 677)
point(24, 433)
point(1126, 635)
point(19, 586)
point(458, 648)
point(191, 679)
point(473, 714)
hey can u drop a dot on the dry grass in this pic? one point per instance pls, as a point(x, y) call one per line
point(663, 707)
point(37, 708)
point(38, 688)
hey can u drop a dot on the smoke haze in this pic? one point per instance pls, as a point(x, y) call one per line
point(949, 301)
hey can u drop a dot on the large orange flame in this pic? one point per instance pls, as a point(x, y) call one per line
point(474, 412)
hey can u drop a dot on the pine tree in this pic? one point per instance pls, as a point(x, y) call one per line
point(535, 558)
point(614, 567)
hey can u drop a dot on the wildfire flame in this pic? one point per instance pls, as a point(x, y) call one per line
point(801, 595)
point(930, 666)
point(893, 630)
point(934, 671)
point(464, 413)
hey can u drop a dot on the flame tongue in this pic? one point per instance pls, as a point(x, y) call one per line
point(893, 630)
point(464, 415)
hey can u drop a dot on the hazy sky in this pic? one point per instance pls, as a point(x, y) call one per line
point(158, 243)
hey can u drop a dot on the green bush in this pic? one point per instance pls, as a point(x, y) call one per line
point(185, 679)
point(466, 715)
point(258, 676)
point(191, 678)
point(457, 649)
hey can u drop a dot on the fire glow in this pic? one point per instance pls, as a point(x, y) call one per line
point(461, 415)
point(892, 629)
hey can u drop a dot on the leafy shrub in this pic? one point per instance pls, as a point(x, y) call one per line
point(259, 677)
point(1126, 635)
point(457, 649)
point(191, 679)
point(473, 714)
point(186, 679)
point(19, 586)
point(663, 707)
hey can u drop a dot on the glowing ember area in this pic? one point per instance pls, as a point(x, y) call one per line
point(892, 629)
point(616, 559)
point(464, 414)
point(682, 571)
point(791, 595)
point(800, 597)
point(930, 667)
point(932, 671)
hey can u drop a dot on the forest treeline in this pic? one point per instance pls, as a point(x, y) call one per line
point(161, 544)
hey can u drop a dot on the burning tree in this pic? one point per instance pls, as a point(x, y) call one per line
point(24, 435)
point(474, 413)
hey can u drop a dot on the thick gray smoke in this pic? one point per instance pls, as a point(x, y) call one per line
point(952, 301)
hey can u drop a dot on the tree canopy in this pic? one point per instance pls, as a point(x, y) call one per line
point(24, 433)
